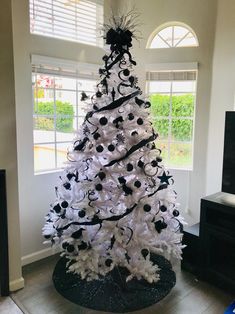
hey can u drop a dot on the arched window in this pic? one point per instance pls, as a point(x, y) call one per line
point(173, 35)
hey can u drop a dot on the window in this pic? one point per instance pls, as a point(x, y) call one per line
point(172, 96)
point(75, 20)
point(173, 36)
point(58, 113)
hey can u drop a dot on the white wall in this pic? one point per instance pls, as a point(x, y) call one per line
point(223, 91)
point(200, 15)
point(36, 191)
point(8, 151)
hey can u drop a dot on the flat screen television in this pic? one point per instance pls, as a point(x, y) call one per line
point(228, 177)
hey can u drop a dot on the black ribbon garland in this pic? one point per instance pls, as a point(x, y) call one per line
point(133, 149)
point(96, 220)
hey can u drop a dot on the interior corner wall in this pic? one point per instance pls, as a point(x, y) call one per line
point(8, 151)
point(200, 15)
point(222, 93)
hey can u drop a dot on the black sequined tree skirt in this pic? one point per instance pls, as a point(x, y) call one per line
point(112, 293)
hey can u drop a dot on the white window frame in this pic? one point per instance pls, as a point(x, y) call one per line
point(174, 67)
point(53, 67)
point(172, 24)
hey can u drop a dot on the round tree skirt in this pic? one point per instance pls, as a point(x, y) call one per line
point(112, 293)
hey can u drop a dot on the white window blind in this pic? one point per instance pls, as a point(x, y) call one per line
point(75, 20)
point(64, 67)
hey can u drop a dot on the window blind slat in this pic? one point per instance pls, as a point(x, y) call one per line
point(68, 19)
point(171, 76)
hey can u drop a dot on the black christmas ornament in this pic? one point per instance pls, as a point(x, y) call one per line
point(122, 180)
point(164, 178)
point(70, 248)
point(147, 208)
point(118, 121)
point(98, 94)
point(137, 184)
point(131, 116)
point(82, 213)
point(81, 144)
point(103, 121)
point(96, 136)
point(140, 121)
point(175, 212)
point(77, 234)
point(99, 148)
point(67, 185)
point(70, 176)
point(145, 252)
point(160, 225)
point(57, 208)
point(111, 147)
point(118, 38)
point(108, 262)
point(134, 133)
point(101, 175)
point(113, 93)
point(126, 72)
point(140, 164)
point(64, 204)
point(129, 167)
point(127, 190)
point(65, 245)
point(82, 246)
point(99, 187)
point(105, 58)
point(163, 208)
point(83, 96)
point(139, 101)
point(154, 163)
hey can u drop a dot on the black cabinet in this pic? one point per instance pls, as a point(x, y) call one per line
point(217, 240)
point(192, 252)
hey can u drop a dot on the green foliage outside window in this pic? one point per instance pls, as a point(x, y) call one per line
point(182, 106)
point(63, 124)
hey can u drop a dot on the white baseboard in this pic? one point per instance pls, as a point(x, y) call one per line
point(36, 256)
point(17, 284)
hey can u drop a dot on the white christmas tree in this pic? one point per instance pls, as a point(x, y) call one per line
point(115, 205)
